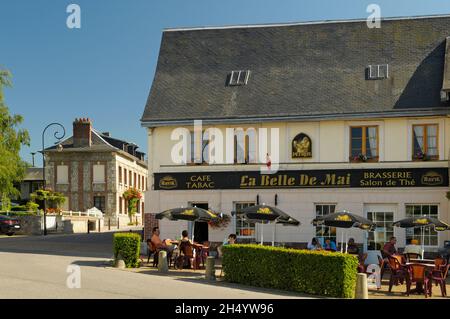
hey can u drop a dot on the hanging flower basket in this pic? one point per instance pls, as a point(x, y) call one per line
point(220, 223)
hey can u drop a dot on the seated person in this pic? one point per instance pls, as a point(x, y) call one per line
point(389, 248)
point(162, 245)
point(230, 240)
point(413, 248)
point(329, 245)
point(314, 245)
point(185, 236)
point(352, 248)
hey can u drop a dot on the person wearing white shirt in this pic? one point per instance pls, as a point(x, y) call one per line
point(414, 248)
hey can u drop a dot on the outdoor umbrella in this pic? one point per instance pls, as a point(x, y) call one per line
point(344, 219)
point(188, 213)
point(262, 213)
point(422, 222)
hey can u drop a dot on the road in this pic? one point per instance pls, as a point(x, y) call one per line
point(36, 267)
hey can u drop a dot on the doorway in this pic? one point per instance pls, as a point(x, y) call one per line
point(383, 217)
point(201, 229)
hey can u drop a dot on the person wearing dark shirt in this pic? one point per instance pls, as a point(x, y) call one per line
point(352, 248)
point(389, 248)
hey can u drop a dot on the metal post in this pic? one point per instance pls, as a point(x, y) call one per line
point(99, 226)
point(58, 136)
point(109, 223)
point(118, 223)
point(88, 226)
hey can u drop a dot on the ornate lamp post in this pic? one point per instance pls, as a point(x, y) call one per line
point(59, 136)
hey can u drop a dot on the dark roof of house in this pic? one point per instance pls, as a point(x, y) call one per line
point(101, 143)
point(300, 70)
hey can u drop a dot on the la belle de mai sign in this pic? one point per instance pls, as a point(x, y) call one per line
point(341, 178)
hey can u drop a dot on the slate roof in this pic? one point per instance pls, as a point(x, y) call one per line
point(305, 70)
point(102, 143)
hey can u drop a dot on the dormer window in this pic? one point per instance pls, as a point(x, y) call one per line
point(378, 71)
point(239, 77)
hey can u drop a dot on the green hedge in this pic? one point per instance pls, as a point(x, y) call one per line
point(312, 272)
point(129, 246)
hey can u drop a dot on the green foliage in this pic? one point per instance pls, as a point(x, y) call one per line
point(12, 168)
point(132, 196)
point(32, 207)
point(312, 272)
point(129, 247)
point(19, 208)
point(6, 202)
point(53, 199)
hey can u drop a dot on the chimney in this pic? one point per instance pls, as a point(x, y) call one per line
point(82, 132)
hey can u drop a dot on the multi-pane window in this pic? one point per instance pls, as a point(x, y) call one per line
point(120, 175)
point(364, 143)
point(120, 205)
point(99, 202)
point(384, 230)
point(197, 154)
point(244, 229)
point(425, 141)
point(428, 234)
point(245, 146)
point(130, 178)
point(325, 232)
point(125, 176)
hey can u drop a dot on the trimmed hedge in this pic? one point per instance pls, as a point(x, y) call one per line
point(311, 272)
point(129, 246)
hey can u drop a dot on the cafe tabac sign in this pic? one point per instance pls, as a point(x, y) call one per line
point(341, 178)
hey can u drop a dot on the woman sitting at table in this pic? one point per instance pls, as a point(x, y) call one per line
point(329, 245)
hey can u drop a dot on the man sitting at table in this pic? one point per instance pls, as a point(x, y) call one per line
point(162, 244)
point(413, 248)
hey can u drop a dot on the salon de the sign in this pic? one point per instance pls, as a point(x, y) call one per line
point(342, 178)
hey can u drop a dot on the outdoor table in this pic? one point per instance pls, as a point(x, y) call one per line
point(422, 261)
point(419, 286)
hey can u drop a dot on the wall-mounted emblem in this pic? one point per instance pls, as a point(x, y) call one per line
point(301, 146)
point(432, 178)
point(168, 182)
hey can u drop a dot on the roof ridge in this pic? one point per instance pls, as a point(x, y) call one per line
point(310, 22)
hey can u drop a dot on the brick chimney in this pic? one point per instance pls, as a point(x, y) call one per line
point(82, 136)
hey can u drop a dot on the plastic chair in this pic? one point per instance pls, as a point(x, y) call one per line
point(410, 256)
point(420, 276)
point(186, 256)
point(382, 265)
point(439, 276)
point(399, 273)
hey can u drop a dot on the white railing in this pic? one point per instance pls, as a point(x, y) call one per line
point(81, 214)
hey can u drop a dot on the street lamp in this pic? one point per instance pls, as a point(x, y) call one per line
point(59, 136)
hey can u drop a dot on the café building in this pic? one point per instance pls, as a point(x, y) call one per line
point(357, 119)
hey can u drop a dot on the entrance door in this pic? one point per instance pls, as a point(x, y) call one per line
point(383, 216)
point(201, 231)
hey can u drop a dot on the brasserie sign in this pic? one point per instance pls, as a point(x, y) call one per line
point(341, 178)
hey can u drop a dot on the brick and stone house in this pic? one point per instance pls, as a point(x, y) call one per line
point(93, 169)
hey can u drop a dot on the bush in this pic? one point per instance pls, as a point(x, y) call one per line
point(312, 272)
point(129, 246)
point(19, 208)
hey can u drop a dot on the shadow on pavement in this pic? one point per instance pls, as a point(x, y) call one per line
point(77, 245)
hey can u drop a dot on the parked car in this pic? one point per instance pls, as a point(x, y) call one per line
point(9, 225)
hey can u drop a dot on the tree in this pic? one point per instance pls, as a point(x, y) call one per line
point(53, 199)
point(132, 196)
point(12, 168)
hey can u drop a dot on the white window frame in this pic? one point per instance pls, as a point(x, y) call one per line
point(426, 247)
point(315, 228)
point(235, 221)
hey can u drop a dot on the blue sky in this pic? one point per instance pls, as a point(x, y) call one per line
point(104, 70)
